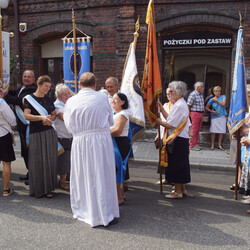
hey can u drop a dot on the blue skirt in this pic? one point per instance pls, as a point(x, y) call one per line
point(178, 170)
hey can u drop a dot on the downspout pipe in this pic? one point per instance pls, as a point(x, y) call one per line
point(17, 40)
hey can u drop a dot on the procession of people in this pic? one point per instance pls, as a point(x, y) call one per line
point(85, 138)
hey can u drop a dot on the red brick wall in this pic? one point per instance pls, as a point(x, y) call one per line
point(111, 24)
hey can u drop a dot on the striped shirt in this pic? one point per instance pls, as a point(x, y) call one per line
point(196, 101)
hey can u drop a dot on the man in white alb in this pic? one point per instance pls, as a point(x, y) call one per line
point(88, 116)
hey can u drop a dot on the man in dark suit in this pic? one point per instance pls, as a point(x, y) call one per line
point(15, 98)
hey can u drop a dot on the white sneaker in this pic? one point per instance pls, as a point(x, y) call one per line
point(247, 201)
point(195, 148)
point(244, 197)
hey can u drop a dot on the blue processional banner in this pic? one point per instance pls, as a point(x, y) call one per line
point(82, 60)
point(238, 107)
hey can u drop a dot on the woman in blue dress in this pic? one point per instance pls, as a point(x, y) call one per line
point(217, 107)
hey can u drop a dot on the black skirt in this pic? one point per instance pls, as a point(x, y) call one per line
point(178, 170)
point(124, 147)
point(7, 153)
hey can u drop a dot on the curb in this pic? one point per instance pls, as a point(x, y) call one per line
point(197, 166)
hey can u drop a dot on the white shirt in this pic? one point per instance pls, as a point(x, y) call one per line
point(178, 114)
point(61, 130)
point(125, 113)
point(7, 118)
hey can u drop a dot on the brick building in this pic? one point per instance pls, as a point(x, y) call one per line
point(200, 36)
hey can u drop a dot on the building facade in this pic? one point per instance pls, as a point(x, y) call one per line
point(196, 39)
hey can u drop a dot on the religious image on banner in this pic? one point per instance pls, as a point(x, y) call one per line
point(131, 88)
point(82, 60)
point(6, 58)
point(238, 105)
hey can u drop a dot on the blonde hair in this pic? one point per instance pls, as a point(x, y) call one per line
point(248, 91)
point(217, 88)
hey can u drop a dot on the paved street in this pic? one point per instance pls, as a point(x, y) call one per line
point(209, 218)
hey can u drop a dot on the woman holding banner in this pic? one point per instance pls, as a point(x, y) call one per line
point(176, 141)
point(165, 112)
point(40, 111)
point(122, 145)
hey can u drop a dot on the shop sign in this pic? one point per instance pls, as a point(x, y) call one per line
point(197, 39)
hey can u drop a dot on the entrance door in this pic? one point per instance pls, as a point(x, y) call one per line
point(211, 66)
point(53, 67)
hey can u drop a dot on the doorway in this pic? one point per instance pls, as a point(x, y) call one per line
point(211, 66)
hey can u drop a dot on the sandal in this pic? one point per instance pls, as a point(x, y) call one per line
point(212, 147)
point(64, 186)
point(49, 195)
point(121, 202)
point(8, 192)
point(221, 148)
point(174, 196)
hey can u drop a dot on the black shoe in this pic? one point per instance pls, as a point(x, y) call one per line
point(233, 187)
point(25, 178)
point(113, 222)
point(241, 190)
point(26, 182)
point(248, 192)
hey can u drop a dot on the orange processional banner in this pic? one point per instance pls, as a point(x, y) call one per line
point(151, 83)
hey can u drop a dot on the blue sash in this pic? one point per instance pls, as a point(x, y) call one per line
point(20, 115)
point(1, 100)
point(58, 104)
point(243, 151)
point(42, 111)
point(122, 164)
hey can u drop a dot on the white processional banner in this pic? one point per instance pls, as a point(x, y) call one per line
point(131, 88)
point(6, 58)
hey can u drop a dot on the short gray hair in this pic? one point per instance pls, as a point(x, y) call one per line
point(59, 88)
point(198, 84)
point(112, 79)
point(179, 87)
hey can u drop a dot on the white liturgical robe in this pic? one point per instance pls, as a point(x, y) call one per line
point(93, 195)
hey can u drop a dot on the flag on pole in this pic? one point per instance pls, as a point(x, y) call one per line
point(82, 57)
point(131, 88)
point(151, 83)
point(6, 58)
point(238, 106)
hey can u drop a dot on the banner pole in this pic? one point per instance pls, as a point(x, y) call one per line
point(74, 37)
point(1, 50)
point(136, 34)
point(237, 164)
point(159, 147)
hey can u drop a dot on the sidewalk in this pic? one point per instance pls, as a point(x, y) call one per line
point(206, 159)
point(145, 153)
point(216, 160)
